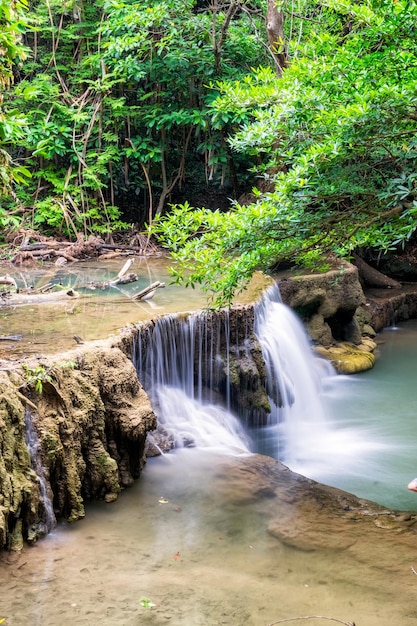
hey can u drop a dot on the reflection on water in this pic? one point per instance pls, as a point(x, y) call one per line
point(183, 547)
point(96, 314)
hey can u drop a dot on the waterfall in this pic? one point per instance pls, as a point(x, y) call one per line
point(183, 363)
point(295, 381)
point(303, 432)
point(179, 364)
point(34, 448)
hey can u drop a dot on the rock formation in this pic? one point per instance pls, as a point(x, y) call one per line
point(91, 416)
point(334, 311)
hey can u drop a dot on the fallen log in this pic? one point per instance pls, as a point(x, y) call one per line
point(150, 249)
point(21, 299)
point(130, 278)
point(43, 253)
point(148, 292)
point(44, 244)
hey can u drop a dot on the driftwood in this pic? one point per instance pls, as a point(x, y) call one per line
point(130, 278)
point(10, 337)
point(20, 299)
point(72, 251)
point(372, 277)
point(8, 280)
point(48, 252)
point(121, 279)
point(148, 292)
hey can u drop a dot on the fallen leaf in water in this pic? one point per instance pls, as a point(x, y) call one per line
point(177, 555)
point(162, 501)
point(177, 509)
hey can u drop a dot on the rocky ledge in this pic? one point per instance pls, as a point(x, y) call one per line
point(90, 417)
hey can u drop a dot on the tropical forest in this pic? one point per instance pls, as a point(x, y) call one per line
point(208, 312)
point(239, 135)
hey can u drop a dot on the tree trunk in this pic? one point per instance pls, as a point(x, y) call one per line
point(276, 38)
point(372, 277)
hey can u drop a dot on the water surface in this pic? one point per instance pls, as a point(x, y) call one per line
point(182, 547)
point(95, 314)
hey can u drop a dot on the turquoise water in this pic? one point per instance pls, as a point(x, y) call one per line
point(366, 442)
point(380, 408)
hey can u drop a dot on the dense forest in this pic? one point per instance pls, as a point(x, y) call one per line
point(241, 134)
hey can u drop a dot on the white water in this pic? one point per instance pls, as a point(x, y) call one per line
point(307, 428)
point(183, 396)
point(198, 424)
point(302, 433)
point(34, 448)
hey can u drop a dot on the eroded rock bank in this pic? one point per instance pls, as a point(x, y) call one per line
point(91, 416)
point(336, 314)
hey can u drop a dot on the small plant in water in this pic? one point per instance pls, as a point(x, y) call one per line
point(36, 376)
point(146, 603)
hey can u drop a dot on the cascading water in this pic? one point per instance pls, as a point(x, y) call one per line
point(182, 384)
point(295, 381)
point(300, 432)
point(34, 448)
point(180, 363)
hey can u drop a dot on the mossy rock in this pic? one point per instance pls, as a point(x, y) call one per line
point(347, 358)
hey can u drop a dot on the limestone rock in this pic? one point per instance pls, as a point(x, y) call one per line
point(347, 358)
point(91, 418)
point(327, 303)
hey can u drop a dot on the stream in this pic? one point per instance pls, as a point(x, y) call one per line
point(181, 548)
point(185, 546)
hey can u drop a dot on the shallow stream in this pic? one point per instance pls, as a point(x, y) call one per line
point(185, 547)
point(93, 314)
point(179, 548)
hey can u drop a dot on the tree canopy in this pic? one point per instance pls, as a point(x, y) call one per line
point(116, 95)
point(130, 104)
point(12, 23)
point(336, 137)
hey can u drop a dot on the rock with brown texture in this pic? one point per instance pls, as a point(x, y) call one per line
point(91, 417)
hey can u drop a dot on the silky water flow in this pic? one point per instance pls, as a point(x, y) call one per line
point(298, 431)
point(185, 545)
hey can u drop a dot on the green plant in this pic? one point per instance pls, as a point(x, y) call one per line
point(36, 376)
point(117, 97)
point(68, 365)
point(336, 141)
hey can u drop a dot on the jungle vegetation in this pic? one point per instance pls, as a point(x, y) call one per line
point(121, 112)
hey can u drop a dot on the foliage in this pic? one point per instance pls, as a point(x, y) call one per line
point(12, 125)
point(336, 141)
point(116, 94)
point(36, 376)
point(146, 603)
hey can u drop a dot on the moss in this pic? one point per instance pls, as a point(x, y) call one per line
point(347, 358)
